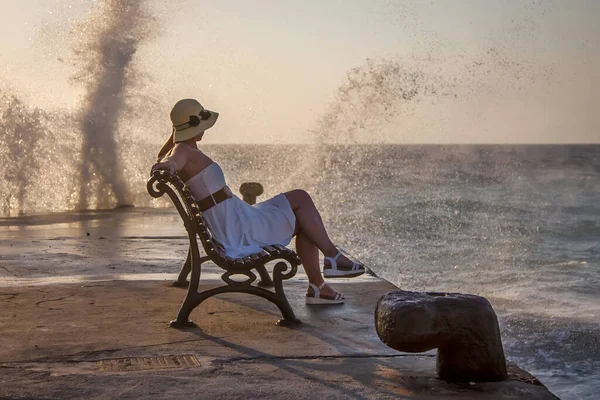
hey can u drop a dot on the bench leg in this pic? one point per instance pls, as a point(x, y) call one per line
point(282, 302)
point(193, 300)
point(183, 316)
point(265, 278)
point(185, 271)
point(195, 262)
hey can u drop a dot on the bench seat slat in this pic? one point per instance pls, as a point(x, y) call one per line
point(263, 254)
point(272, 250)
point(282, 249)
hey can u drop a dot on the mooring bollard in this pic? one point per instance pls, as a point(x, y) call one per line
point(251, 190)
point(463, 327)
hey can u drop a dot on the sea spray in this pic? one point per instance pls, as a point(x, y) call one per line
point(384, 94)
point(21, 133)
point(85, 156)
point(110, 40)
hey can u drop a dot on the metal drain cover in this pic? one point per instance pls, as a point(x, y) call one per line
point(147, 363)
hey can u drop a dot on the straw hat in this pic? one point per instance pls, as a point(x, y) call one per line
point(190, 119)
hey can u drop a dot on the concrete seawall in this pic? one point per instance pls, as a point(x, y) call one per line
point(85, 303)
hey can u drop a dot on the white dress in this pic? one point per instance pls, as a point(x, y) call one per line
point(243, 229)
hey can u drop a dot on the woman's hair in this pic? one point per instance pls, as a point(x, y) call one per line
point(166, 147)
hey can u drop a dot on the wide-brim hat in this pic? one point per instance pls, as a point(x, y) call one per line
point(190, 119)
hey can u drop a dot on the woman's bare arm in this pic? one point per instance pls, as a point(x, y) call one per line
point(175, 162)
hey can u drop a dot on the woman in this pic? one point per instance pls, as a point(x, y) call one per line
point(243, 229)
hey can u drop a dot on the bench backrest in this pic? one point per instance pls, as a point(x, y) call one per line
point(162, 182)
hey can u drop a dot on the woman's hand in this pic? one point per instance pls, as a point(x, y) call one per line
point(166, 165)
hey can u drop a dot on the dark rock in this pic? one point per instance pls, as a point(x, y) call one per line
point(464, 329)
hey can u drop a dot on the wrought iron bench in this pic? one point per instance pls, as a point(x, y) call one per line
point(162, 182)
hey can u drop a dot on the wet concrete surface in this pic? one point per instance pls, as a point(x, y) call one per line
point(72, 302)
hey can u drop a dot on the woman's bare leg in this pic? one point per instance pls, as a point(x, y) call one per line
point(309, 254)
point(308, 220)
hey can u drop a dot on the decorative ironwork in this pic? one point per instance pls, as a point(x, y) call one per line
point(162, 182)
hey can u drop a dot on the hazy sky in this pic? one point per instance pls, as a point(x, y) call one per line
point(489, 71)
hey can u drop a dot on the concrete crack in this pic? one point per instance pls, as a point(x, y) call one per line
point(11, 296)
point(7, 270)
point(330, 357)
point(58, 299)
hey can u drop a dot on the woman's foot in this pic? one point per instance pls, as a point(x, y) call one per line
point(323, 294)
point(341, 266)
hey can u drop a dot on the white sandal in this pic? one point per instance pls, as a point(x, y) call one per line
point(333, 272)
point(317, 299)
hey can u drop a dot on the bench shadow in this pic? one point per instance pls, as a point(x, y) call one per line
point(305, 368)
point(373, 369)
